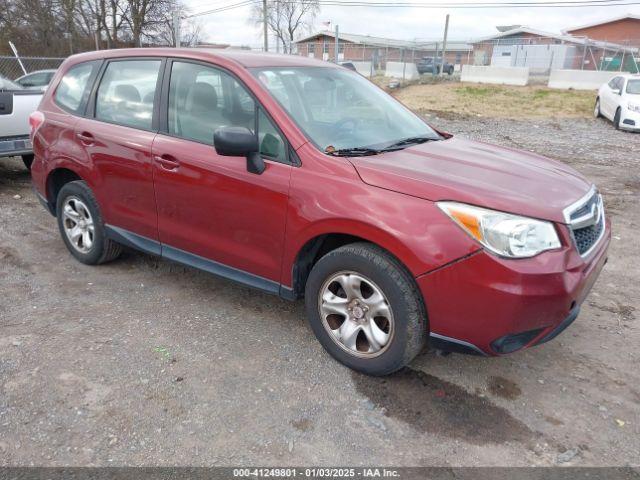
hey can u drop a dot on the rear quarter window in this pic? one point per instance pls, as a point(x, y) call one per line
point(73, 90)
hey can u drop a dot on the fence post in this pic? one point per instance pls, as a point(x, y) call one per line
point(336, 49)
point(584, 52)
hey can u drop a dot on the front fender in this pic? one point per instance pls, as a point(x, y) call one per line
point(414, 230)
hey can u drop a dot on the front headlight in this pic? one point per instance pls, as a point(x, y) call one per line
point(502, 233)
point(634, 107)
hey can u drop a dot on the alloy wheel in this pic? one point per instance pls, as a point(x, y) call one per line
point(356, 314)
point(78, 224)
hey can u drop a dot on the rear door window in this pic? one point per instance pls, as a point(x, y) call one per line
point(73, 90)
point(127, 91)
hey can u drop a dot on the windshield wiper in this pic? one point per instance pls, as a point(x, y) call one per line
point(409, 141)
point(355, 152)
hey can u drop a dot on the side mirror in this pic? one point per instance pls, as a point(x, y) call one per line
point(239, 142)
point(615, 91)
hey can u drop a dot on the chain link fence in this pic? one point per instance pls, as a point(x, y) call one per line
point(12, 67)
point(543, 54)
point(540, 54)
point(378, 55)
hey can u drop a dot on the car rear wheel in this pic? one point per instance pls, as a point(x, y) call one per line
point(81, 225)
point(27, 160)
point(596, 109)
point(365, 309)
point(616, 119)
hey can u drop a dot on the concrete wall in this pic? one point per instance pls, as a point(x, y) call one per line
point(363, 68)
point(579, 79)
point(404, 71)
point(498, 75)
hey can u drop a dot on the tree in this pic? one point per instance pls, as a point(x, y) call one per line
point(190, 29)
point(55, 28)
point(286, 19)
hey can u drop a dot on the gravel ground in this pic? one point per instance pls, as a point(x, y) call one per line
point(143, 362)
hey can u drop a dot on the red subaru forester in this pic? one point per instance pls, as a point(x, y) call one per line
point(303, 179)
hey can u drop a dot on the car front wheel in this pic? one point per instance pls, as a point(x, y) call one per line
point(365, 309)
point(616, 119)
point(81, 225)
point(596, 109)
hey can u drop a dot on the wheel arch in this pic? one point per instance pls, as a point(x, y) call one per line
point(320, 243)
point(57, 178)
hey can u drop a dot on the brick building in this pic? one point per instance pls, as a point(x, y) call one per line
point(354, 47)
point(624, 30)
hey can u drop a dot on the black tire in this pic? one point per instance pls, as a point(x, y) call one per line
point(616, 119)
point(103, 249)
point(28, 161)
point(409, 314)
point(450, 71)
point(596, 109)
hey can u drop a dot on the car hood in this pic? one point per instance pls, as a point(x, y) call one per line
point(477, 173)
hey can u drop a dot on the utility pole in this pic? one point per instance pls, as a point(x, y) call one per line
point(444, 44)
point(264, 26)
point(337, 49)
point(176, 28)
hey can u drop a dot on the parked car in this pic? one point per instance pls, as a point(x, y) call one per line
point(619, 101)
point(349, 65)
point(16, 104)
point(303, 179)
point(38, 80)
point(431, 65)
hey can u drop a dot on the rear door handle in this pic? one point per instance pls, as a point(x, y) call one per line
point(85, 138)
point(167, 162)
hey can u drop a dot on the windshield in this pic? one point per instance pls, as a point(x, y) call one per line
point(633, 87)
point(339, 109)
point(6, 84)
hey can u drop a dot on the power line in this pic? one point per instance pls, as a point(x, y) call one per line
point(454, 5)
point(552, 4)
point(222, 9)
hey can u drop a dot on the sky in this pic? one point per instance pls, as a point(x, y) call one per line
point(233, 26)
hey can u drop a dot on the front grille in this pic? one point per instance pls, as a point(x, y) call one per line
point(585, 209)
point(586, 221)
point(587, 237)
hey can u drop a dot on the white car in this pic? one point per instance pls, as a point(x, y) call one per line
point(619, 101)
point(38, 80)
point(16, 104)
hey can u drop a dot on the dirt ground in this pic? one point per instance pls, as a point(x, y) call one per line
point(143, 362)
point(498, 101)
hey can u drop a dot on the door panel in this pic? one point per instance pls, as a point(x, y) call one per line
point(121, 157)
point(209, 205)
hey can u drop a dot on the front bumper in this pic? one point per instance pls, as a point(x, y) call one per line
point(629, 120)
point(489, 305)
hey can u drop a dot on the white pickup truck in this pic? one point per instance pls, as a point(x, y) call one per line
point(16, 104)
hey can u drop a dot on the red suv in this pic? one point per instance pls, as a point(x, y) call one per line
point(303, 179)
